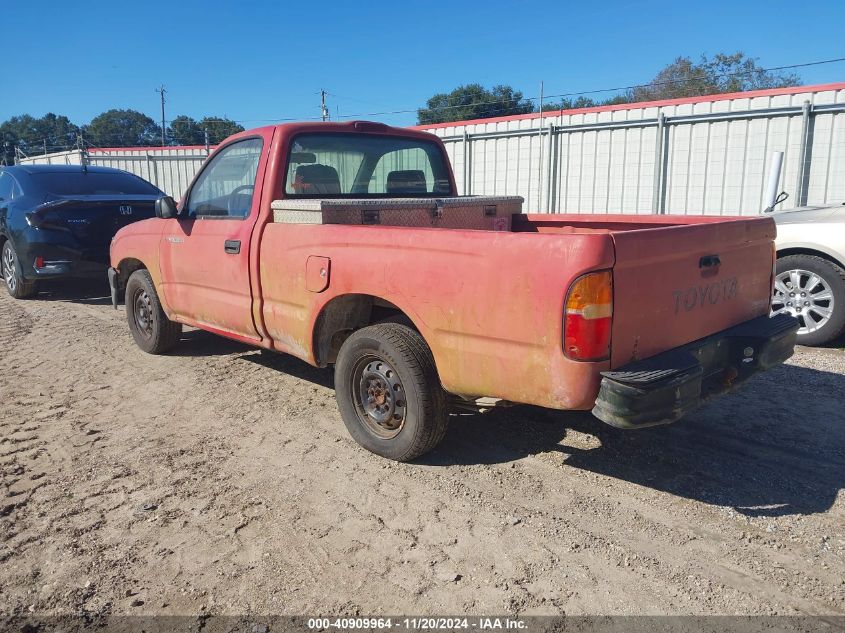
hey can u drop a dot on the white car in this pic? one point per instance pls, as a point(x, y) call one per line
point(810, 271)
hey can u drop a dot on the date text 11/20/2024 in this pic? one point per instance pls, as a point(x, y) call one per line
point(418, 624)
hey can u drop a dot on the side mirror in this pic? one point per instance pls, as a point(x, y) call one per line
point(166, 208)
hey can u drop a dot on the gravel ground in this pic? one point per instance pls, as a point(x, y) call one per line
point(220, 480)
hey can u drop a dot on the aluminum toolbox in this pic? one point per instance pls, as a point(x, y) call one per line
point(482, 213)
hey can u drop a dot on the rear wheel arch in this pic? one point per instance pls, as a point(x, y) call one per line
point(812, 252)
point(345, 314)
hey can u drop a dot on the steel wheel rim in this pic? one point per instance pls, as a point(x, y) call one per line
point(379, 396)
point(143, 313)
point(805, 295)
point(9, 267)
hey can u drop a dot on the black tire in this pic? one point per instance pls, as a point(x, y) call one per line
point(10, 267)
point(834, 278)
point(152, 330)
point(379, 358)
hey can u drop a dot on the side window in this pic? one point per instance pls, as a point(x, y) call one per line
point(7, 186)
point(226, 186)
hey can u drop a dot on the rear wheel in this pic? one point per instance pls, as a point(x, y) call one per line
point(17, 286)
point(811, 289)
point(152, 330)
point(389, 393)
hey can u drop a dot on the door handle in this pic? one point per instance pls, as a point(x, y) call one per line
point(233, 247)
point(709, 261)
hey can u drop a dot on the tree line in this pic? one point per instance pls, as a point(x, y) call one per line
point(113, 128)
point(684, 77)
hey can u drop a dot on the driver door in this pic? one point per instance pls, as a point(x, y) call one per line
point(204, 252)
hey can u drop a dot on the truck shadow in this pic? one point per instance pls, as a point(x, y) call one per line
point(195, 343)
point(87, 291)
point(775, 448)
point(292, 366)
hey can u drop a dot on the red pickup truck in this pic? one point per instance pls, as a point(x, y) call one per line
point(345, 244)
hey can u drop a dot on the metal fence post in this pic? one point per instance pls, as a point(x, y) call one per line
point(659, 151)
point(806, 113)
point(154, 174)
point(552, 190)
point(467, 167)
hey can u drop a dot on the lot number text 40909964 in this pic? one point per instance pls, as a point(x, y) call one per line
point(418, 624)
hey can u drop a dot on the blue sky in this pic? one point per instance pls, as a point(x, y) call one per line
point(261, 61)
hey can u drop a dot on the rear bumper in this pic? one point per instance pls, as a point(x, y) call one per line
point(62, 258)
point(661, 389)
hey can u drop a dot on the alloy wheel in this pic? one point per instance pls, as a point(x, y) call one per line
point(9, 267)
point(805, 295)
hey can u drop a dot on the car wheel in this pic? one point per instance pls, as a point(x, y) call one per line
point(152, 330)
point(17, 286)
point(389, 393)
point(811, 289)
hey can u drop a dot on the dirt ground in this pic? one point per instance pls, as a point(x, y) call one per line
point(220, 479)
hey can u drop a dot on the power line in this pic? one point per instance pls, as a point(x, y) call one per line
point(324, 109)
point(616, 89)
point(552, 96)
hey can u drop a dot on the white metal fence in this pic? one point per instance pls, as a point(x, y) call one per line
point(171, 169)
point(688, 156)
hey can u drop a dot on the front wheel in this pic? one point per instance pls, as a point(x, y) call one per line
point(17, 286)
point(811, 289)
point(152, 330)
point(389, 393)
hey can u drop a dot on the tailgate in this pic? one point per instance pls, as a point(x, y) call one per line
point(674, 285)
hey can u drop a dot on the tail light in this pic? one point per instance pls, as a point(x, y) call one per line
point(588, 317)
point(39, 262)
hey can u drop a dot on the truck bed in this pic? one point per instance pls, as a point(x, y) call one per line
point(490, 303)
point(676, 278)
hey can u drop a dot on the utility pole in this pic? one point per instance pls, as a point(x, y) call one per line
point(205, 132)
point(323, 109)
point(161, 90)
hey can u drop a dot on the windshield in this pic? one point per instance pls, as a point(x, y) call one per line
point(90, 183)
point(361, 166)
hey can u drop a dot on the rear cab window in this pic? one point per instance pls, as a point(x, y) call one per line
point(365, 166)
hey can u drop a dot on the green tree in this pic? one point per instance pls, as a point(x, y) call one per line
point(122, 128)
point(473, 101)
point(184, 130)
point(720, 74)
point(218, 128)
point(569, 104)
point(32, 135)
